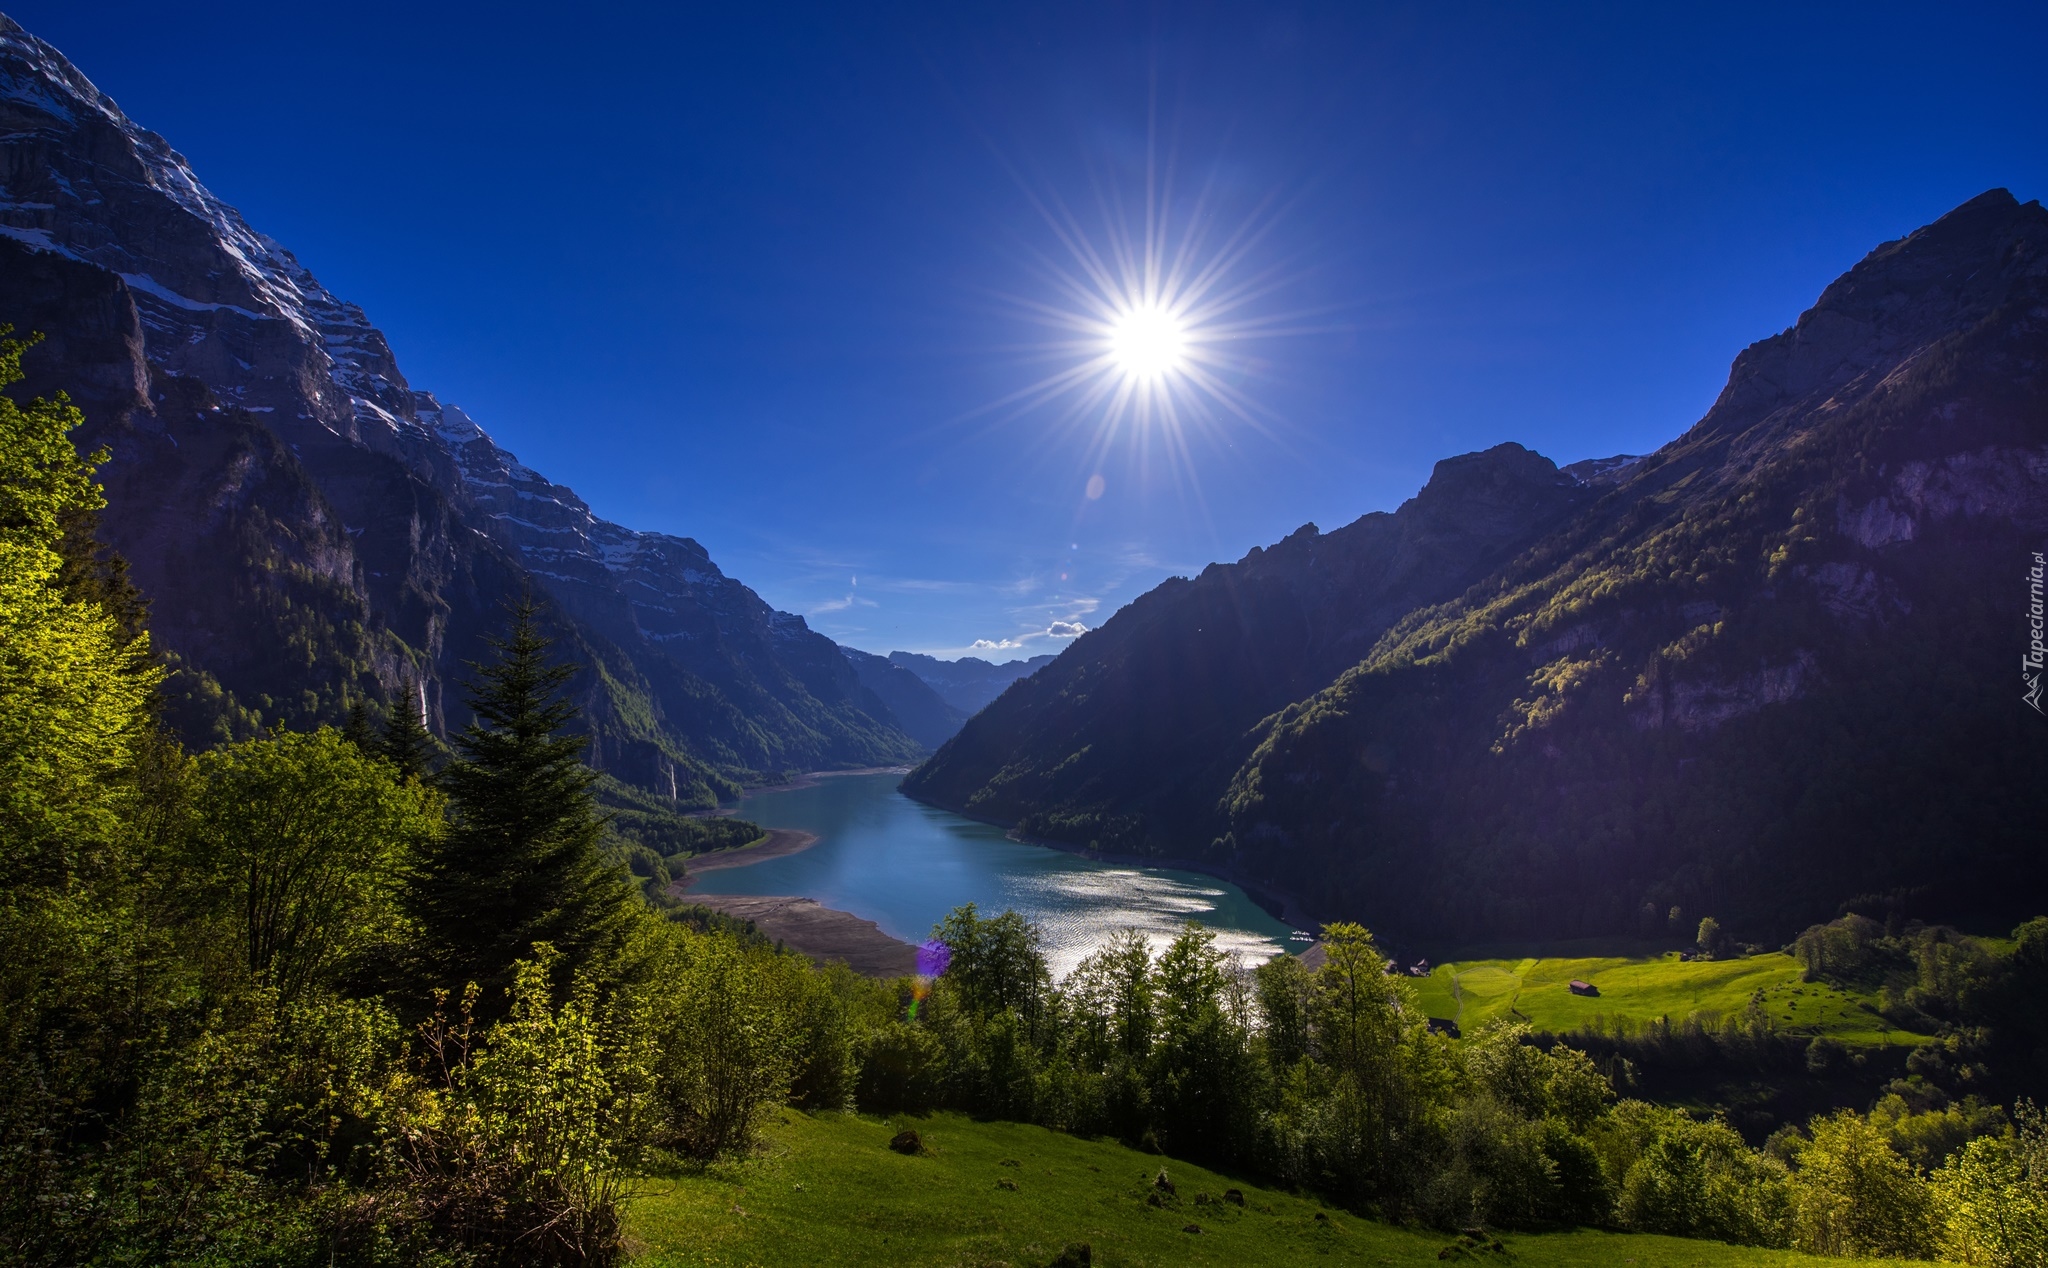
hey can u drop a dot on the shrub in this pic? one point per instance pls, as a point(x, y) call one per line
point(507, 1150)
point(1693, 1179)
point(722, 1045)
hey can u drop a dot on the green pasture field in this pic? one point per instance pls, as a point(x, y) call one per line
point(827, 1191)
point(1537, 990)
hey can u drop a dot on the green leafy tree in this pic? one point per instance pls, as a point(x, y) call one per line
point(1116, 998)
point(298, 842)
point(1855, 1197)
point(1991, 1199)
point(84, 985)
point(75, 686)
point(829, 1008)
point(1391, 1079)
point(997, 962)
point(1111, 1006)
point(1692, 1179)
point(1362, 1014)
point(1205, 1082)
point(1710, 939)
point(521, 861)
point(1497, 1171)
point(1503, 1064)
point(1286, 1000)
point(725, 1045)
point(507, 1151)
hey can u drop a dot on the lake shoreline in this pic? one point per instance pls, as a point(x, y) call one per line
point(825, 934)
point(779, 843)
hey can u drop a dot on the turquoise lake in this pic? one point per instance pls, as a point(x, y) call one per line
point(904, 865)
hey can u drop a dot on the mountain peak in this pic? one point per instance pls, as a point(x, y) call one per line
point(1492, 488)
point(1895, 303)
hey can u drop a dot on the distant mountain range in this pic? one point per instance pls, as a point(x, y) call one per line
point(932, 698)
point(1764, 673)
point(310, 528)
point(970, 683)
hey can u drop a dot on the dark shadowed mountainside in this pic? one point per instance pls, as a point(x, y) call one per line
point(1767, 672)
point(1125, 740)
point(309, 528)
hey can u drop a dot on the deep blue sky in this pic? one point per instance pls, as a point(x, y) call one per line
point(754, 274)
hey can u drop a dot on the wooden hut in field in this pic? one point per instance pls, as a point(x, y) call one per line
point(1583, 988)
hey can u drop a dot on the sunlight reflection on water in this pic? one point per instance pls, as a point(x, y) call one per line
point(1078, 909)
point(905, 865)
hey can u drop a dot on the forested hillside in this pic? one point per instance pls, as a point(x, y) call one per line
point(1763, 672)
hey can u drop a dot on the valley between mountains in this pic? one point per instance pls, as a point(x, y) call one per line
point(377, 888)
point(1532, 701)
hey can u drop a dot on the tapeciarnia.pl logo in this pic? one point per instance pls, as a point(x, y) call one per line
point(2030, 664)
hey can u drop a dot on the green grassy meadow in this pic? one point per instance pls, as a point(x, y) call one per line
point(1536, 990)
point(826, 1190)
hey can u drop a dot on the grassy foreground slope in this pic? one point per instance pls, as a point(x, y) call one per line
point(827, 1190)
point(1538, 991)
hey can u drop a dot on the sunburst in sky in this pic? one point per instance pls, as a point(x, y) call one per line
point(1151, 311)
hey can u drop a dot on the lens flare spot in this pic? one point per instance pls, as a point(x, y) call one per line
point(933, 957)
point(1095, 488)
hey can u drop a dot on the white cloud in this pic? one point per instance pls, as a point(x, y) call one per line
point(1066, 629)
point(989, 645)
point(840, 605)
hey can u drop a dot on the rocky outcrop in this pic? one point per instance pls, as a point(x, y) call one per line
point(275, 479)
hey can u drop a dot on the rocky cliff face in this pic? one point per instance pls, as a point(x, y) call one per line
point(1762, 673)
point(309, 526)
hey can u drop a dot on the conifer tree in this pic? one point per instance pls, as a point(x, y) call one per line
point(357, 730)
point(407, 744)
point(521, 862)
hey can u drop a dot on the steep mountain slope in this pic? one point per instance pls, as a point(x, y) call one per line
point(309, 526)
point(1126, 740)
point(924, 715)
point(1771, 673)
point(969, 683)
point(1762, 673)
